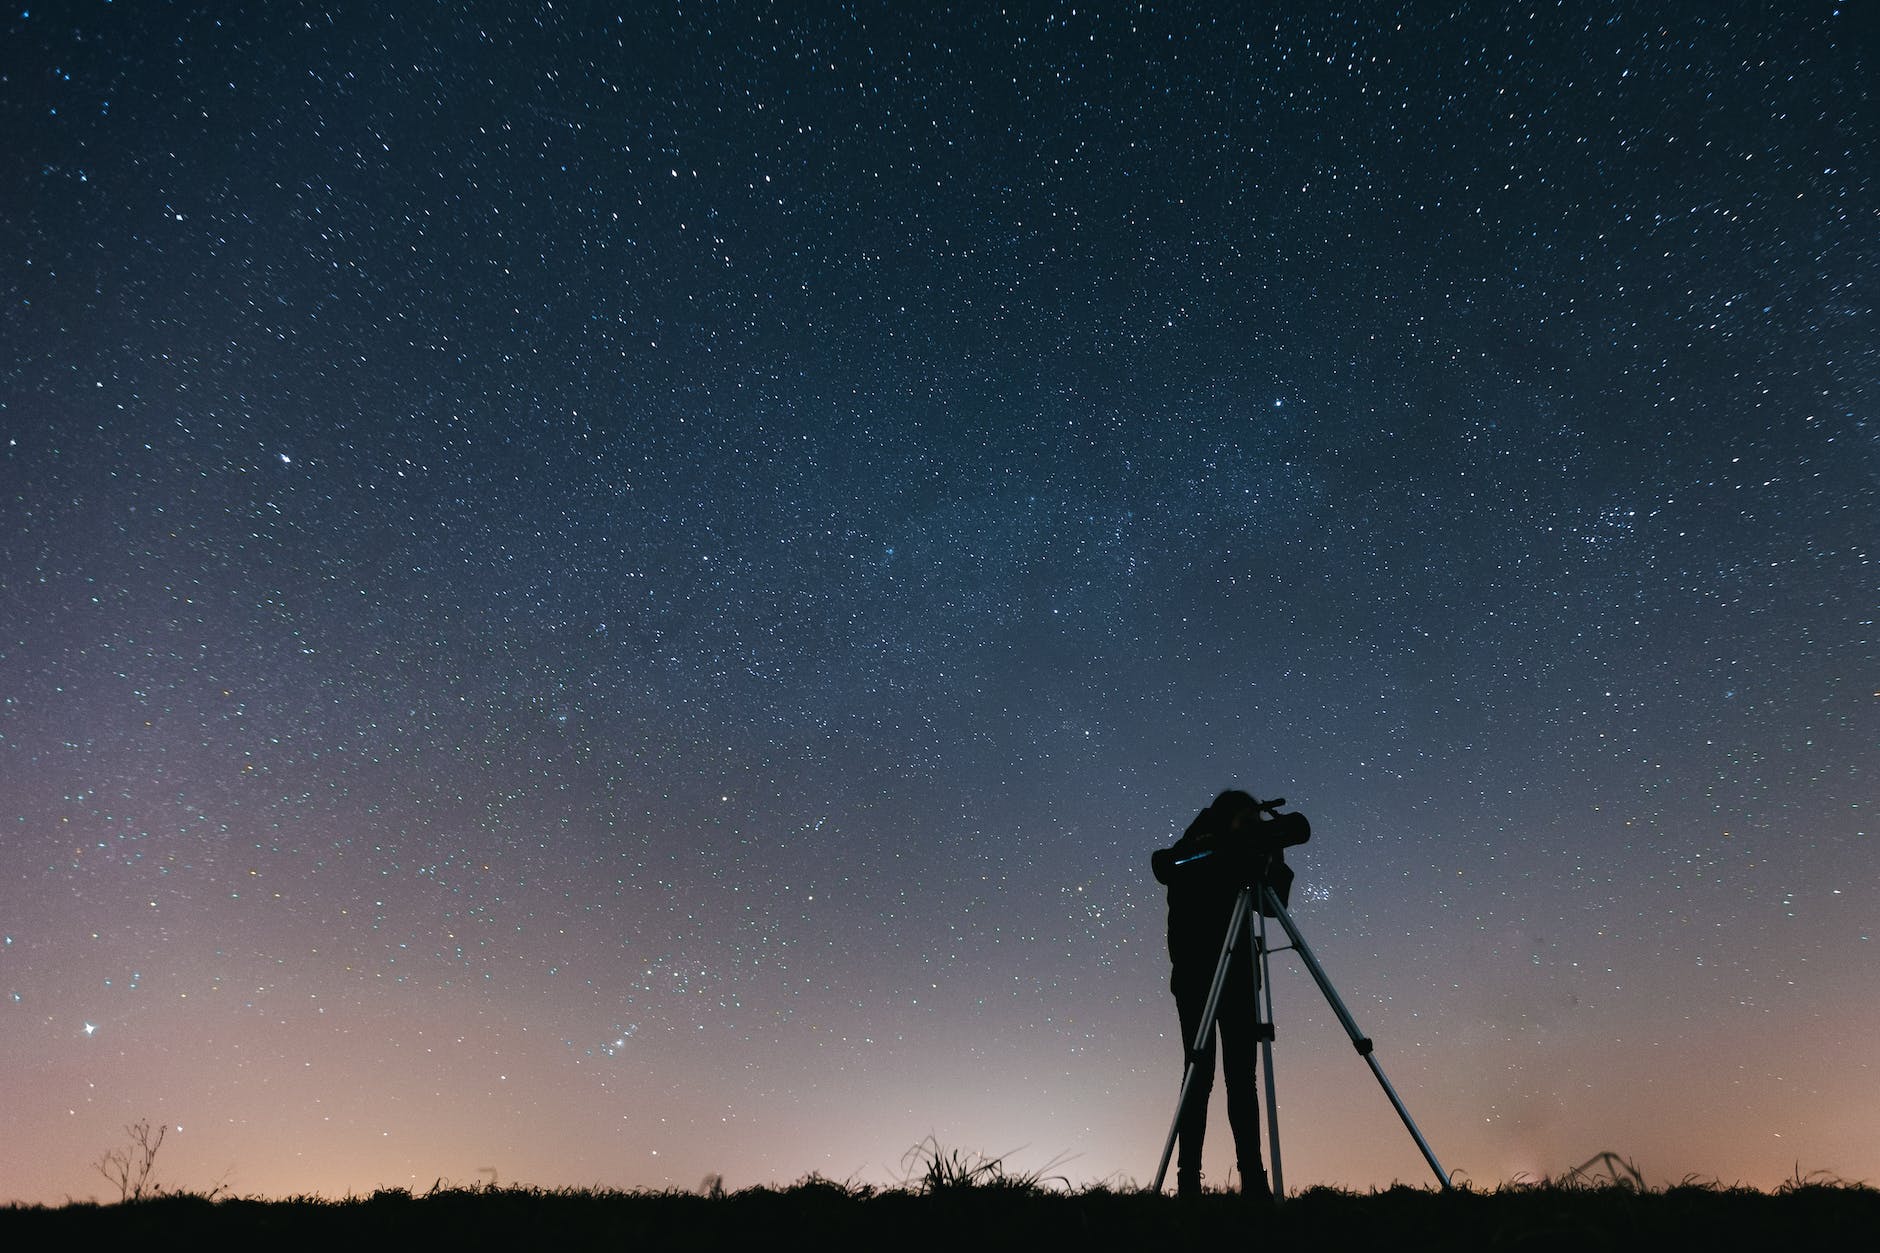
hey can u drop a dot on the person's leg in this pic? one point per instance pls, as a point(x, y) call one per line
point(1240, 1044)
point(1191, 1127)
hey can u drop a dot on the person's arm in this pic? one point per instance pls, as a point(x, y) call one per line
point(1166, 862)
point(1162, 861)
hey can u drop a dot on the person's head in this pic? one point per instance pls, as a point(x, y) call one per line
point(1233, 811)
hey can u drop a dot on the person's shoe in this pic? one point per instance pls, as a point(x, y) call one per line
point(1254, 1188)
point(1187, 1184)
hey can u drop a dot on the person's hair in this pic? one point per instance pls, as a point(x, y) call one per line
point(1220, 814)
point(1232, 804)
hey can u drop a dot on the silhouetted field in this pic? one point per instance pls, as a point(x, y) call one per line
point(970, 1218)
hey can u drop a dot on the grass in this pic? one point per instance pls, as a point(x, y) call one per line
point(932, 1169)
point(957, 1201)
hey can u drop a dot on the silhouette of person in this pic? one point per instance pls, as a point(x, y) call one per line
point(1201, 896)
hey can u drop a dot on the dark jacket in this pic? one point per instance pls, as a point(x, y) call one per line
point(1203, 879)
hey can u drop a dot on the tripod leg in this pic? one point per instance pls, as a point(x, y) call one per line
point(1237, 929)
point(1266, 1049)
point(1359, 1040)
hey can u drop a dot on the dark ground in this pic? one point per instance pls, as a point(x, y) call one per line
point(819, 1212)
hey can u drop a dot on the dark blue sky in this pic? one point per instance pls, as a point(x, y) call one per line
point(627, 594)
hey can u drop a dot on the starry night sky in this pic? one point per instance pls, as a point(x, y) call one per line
point(616, 594)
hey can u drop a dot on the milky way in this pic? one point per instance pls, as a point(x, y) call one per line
point(607, 597)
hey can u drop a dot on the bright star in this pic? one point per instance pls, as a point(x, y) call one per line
point(91, 1028)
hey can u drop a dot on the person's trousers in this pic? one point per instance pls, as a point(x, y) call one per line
point(1236, 1032)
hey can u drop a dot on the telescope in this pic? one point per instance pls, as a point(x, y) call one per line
point(1237, 850)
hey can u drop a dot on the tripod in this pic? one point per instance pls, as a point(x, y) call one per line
point(1241, 930)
